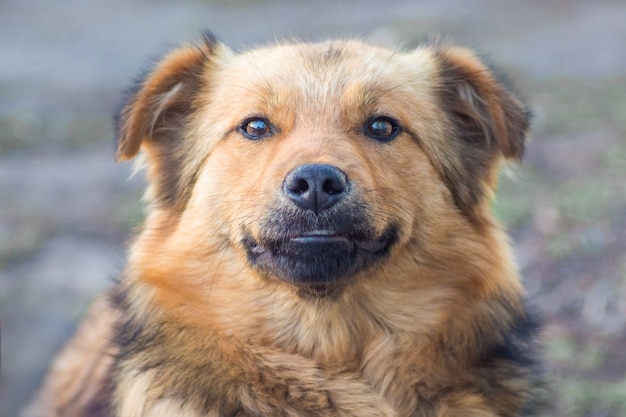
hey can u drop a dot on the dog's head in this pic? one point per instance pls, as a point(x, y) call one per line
point(315, 164)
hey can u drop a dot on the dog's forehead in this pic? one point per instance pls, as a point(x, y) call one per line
point(317, 70)
point(316, 57)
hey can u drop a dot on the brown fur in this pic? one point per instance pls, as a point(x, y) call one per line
point(435, 327)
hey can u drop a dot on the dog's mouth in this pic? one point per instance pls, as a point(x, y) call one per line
point(319, 259)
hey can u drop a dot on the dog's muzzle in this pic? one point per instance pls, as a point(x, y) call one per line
point(320, 231)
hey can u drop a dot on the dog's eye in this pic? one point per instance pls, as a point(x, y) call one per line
point(382, 129)
point(256, 128)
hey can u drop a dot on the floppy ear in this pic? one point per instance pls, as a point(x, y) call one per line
point(489, 123)
point(154, 116)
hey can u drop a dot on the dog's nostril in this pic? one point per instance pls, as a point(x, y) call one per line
point(332, 187)
point(300, 186)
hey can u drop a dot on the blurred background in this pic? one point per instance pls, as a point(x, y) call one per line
point(67, 211)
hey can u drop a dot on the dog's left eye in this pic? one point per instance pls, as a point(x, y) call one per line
point(382, 129)
point(256, 128)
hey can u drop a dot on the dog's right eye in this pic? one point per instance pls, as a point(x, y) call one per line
point(256, 128)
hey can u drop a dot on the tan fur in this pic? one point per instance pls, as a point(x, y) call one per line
point(403, 338)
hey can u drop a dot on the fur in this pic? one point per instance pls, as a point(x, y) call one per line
point(235, 302)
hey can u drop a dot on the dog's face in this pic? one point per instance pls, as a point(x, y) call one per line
point(318, 165)
point(318, 162)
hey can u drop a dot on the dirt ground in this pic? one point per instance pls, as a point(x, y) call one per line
point(66, 210)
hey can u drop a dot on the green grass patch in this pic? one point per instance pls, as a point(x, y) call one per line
point(565, 105)
point(579, 386)
point(581, 201)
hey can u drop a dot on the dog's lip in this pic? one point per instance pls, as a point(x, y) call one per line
point(319, 259)
point(321, 237)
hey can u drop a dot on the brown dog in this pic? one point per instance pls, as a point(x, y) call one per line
point(319, 242)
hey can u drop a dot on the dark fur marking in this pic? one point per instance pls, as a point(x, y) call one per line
point(166, 134)
point(517, 346)
point(516, 357)
point(473, 145)
point(333, 55)
point(101, 405)
point(478, 142)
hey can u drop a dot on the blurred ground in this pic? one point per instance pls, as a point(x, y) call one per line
point(66, 209)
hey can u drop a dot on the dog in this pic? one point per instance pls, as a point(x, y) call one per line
point(319, 242)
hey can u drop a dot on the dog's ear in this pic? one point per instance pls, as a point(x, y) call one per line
point(157, 105)
point(154, 118)
point(489, 122)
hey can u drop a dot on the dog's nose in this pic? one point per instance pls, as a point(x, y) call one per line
point(315, 187)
